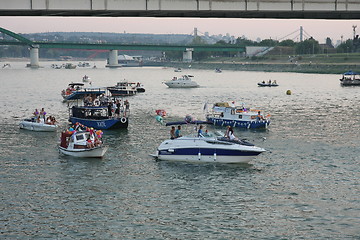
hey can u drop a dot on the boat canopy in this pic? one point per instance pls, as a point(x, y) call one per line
point(351, 73)
point(222, 104)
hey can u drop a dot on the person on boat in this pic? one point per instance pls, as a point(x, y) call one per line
point(259, 116)
point(200, 131)
point(89, 143)
point(178, 132)
point(270, 81)
point(42, 114)
point(36, 113)
point(172, 133)
point(274, 82)
point(206, 134)
point(117, 109)
point(263, 82)
point(127, 107)
point(230, 134)
point(109, 107)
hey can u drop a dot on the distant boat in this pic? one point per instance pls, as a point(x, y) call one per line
point(69, 66)
point(218, 70)
point(77, 91)
point(350, 78)
point(123, 89)
point(182, 82)
point(268, 84)
point(178, 70)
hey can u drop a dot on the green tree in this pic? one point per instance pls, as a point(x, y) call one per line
point(287, 43)
point(309, 46)
point(345, 47)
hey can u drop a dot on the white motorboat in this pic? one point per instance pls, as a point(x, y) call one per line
point(207, 149)
point(184, 81)
point(76, 144)
point(31, 124)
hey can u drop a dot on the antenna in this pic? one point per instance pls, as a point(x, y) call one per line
point(354, 30)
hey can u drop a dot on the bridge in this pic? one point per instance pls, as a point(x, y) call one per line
point(300, 9)
point(111, 47)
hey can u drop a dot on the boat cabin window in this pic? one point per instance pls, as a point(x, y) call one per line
point(79, 137)
point(232, 111)
point(240, 116)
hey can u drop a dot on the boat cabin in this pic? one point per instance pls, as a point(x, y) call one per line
point(75, 140)
point(90, 112)
point(225, 111)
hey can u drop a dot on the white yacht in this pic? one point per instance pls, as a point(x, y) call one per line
point(207, 149)
point(184, 81)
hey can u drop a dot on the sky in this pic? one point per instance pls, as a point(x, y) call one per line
point(252, 29)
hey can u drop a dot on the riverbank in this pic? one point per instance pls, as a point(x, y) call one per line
point(272, 67)
point(305, 66)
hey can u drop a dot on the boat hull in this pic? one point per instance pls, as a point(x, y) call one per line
point(239, 124)
point(267, 85)
point(103, 124)
point(181, 85)
point(97, 152)
point(38, 127)
point(213, 157)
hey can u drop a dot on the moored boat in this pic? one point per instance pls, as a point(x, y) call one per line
point(350, 78)
point(184, 81)
point(268, 84)
point(77, 91)
point(123, 89)
point(222, 114)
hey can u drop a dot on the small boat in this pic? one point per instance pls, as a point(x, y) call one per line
point(77, 91)
point(268, 84)
point(86, 78)
point(350, 78)
point(122, 89)
point(218, 70)
point(81, 144)
point(139, 87)
point(184, 81)
point(178, 70)
point(84, 64)
point(33, 125)
point(222, 114)
point(206, 149)
point(69, 66)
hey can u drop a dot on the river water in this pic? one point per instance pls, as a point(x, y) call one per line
point(306, 186)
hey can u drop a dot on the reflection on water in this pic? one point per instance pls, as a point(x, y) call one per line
point(304, 186)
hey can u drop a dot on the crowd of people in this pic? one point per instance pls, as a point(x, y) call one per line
point(94, 137)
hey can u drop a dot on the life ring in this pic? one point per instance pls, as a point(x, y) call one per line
point(97, 102)
point(123, 120)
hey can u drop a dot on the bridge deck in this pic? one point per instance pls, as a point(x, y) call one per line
point(309, 9)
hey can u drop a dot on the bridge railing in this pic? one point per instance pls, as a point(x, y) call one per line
point(185, 8)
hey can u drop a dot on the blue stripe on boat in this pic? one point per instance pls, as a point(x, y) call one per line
point(209, 152)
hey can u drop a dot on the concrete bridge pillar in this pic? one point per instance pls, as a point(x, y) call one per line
point(187, 55)
point(113, 59)
point(34, 57)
